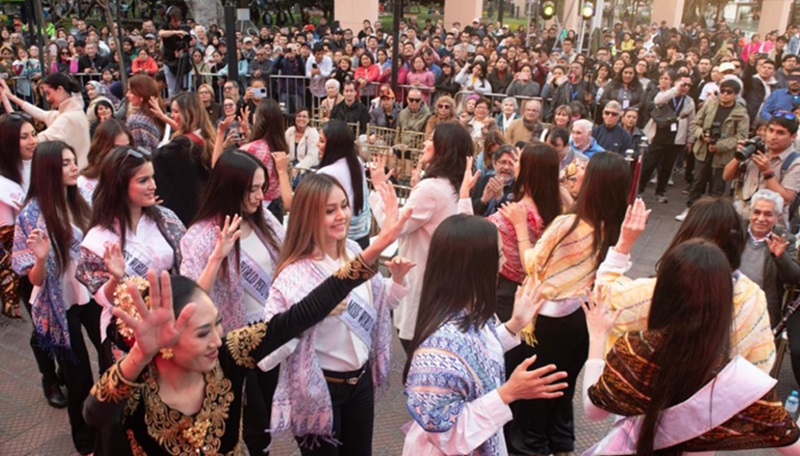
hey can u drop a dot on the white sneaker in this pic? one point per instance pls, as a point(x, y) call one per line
point(670, 182)
point(654, 180)
point(682, 216)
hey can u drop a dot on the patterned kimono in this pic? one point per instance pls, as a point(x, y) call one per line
point(154, 428)
point(751, 336)
point(48, 311)
point(92, 270)
point(302, 401)
point(11, 198)
point(228, 291)
point(745, 411)
point(451, 389)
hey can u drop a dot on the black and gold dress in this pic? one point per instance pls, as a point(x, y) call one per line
point(154, 428)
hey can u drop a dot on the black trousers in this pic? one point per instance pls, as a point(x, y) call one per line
point(259, 389)
point(46, 364)
point(705, 175)
point(547, 425)
point(78, 371)
point(661, 156)
point(793, 331)
point(353, 417)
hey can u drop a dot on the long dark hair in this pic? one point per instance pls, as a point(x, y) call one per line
point(102, 142)
point(270, 125)
point(144, 86)
point(602, 201)
point(56, 80)
point(340, 143)
point(110, 204)
point(452, 144)
point(11, 158)
point(227, 187)
point(715, 220)
point(693, 312)
point(57, 202)
point(635, 84)
point(538, 177)
point(464, 251)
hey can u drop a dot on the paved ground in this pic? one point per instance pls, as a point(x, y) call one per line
point(28, 426)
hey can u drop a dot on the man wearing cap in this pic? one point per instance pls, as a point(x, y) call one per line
point(718, 126)
point(778, 169)
point(385, 115)
point(783, 99)
point(248, 49)
point(760, 87)
point(337, 43)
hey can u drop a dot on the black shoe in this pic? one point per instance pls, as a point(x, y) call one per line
point(55, 397)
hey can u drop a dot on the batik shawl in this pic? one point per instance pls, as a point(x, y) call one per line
point(11, 195)
point(49, 312)
point(450, 369)
point(625, 389)
point(302, 402)
point(227, 292)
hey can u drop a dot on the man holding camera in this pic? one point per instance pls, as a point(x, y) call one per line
point(771, 164)
point(175, 38)
point(719, 126)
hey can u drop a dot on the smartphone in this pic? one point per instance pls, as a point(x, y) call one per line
point(258, 92)
point(314, 66)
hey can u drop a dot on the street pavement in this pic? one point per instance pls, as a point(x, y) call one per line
point(28, 426)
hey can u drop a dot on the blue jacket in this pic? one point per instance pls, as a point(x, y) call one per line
point(616, 140)
point(779, 100)
point(593, 148)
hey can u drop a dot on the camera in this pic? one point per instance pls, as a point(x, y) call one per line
point(714, 133)
point(750, 147)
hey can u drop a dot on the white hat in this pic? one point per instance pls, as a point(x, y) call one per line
point(726, 66)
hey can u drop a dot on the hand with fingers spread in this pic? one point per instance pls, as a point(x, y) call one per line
point(632, 227)
point(226, 237)
point(536, 384)
point(470, 179)
point(114, 261)
point(39, 243)
point(777, 244)
point(527, 303)
point(156, 327)
point(224, 124)
point(599, 318)
point(244, 122)
point(377, 172)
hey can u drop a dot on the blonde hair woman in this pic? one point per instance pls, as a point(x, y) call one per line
point(341, 361)
point(445, 112)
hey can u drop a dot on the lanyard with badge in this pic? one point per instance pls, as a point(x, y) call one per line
point(673, 127)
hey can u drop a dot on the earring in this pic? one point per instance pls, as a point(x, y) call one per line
point(166, 353)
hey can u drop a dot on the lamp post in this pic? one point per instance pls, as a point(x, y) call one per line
point(398, 11)
point(230, 34)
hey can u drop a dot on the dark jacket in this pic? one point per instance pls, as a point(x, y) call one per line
point(615, 140)
point(755, 95)
point(355, 113)
point(611, 92)
point(780, 272)
point(479, 207)
point(180, 176)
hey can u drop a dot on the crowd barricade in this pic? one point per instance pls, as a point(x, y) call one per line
point(400, 94)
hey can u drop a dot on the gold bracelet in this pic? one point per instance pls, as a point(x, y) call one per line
point(520, 241)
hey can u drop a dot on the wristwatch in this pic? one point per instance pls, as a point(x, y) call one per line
point(769, 175)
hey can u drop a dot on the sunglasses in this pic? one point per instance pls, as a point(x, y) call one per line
point(414, 100)
point(443, 106)
point(610, 113)
point(785, 115)
point(139, 152)
point(727, 92)
point(16, 115)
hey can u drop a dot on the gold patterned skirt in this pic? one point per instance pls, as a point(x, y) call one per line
point(9, 281)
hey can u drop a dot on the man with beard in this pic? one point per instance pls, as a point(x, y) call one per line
point(494, 189)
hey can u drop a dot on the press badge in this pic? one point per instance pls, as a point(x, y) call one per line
point(625, 104)
point(673, 127)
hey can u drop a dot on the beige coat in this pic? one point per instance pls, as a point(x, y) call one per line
point(68, 124)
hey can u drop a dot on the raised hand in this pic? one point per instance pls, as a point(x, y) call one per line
point(527, 303)
point(227, 236)
point(39, 243)
point(470, 179)
point(536, 384)
point(377, 171)
point(114, 261)
point(399, 267)
point(156, 327)
point(515, 213)
point(388, 234)
point(633, 226)
point(281, 161)
point(599, 319)
point(777, 244)
point(244, 121)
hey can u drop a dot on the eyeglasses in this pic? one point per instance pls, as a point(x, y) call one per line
point(443, 106)
point(229, 105)
point(727, 92)
point(505, 163)
point(140, 152)
point(414, 100)
point(204, 92)
point(610, 113)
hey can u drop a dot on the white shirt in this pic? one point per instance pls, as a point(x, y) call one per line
point(72, 291)
point(146, 244)
point(253, 306)
point(341, 172)
point(87, 186)
point(478, 421)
